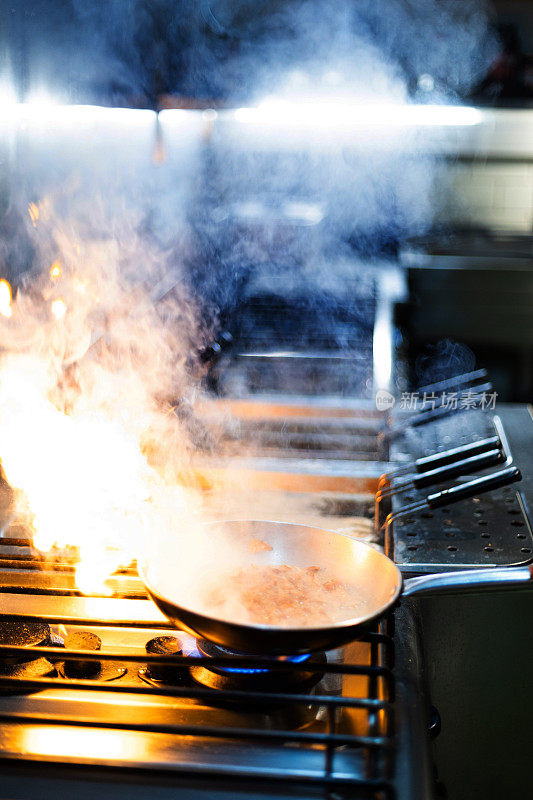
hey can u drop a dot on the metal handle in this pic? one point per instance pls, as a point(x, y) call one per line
point(449, 456)
point(468, 465)
point(424, 416)
point(470, 489)
point(456, 493)
point(455, 382)
point(468, 581)
point(465, 467)
point(437, 460)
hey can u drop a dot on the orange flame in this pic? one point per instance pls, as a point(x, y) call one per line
point(5, 299)
point(59, 308)
point(33, 211)
point(96, 464)
point(55, 271)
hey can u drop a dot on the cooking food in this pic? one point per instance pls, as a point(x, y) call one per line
point(258, 546)
point(283, 595)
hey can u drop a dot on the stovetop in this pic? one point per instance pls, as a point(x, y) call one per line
point(350, 728)
point(331, 725)
point(355, 725)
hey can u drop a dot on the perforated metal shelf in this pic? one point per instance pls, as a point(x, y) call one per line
point(490, 530)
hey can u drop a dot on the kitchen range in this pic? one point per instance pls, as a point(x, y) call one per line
point(107, 693)
point(266, 483)
point(303, 419)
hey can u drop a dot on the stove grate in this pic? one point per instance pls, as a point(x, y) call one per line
point(331, 755)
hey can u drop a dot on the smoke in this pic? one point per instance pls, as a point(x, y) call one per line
point(92, 369)
point(128, 52)
point(397, 51)
point(442, 360)
point(239, 51)
point(94, 359)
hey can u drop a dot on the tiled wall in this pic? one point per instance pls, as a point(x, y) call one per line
point(486, 193)
point(487, 179)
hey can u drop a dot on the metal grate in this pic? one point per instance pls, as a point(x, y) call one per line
point(279, 346)
point(487, 530)
point(349, 746)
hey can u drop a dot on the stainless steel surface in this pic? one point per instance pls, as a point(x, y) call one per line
point(97, 729)
point(478, 674)
point(452, 494)
point(489, 530)
point(292, 442)
point(101, 745)
point(284, 343)
point(478, 669)
point(467, 581)
point(182, 734)
point(77, 746)
point(86, 610)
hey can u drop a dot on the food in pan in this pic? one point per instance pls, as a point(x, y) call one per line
point(283, 595)
point(258, 546)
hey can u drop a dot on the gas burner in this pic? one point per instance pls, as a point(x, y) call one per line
point(88, 670)
point(159, 675)
point(260, 678)
point(27, 633)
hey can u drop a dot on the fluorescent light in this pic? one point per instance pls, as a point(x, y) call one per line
point(382, 352)
point(333, 114)
point(46, 111)
point(8, 98)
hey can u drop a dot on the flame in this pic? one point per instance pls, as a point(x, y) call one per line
point(95, 461)
point(33, 211)
point(84, 477)
point(55, 271)
point(5, 299)
point(59, 308)
point(79, 286)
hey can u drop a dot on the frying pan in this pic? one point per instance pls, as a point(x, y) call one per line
point(351, 561)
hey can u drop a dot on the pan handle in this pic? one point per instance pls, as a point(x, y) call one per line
point(465, 467)
point(465, 490)
point(470, 580)
point(438, 460)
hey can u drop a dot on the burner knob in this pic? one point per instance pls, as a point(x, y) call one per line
point(23, 632)
point(82, 640)
point(164, 646)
